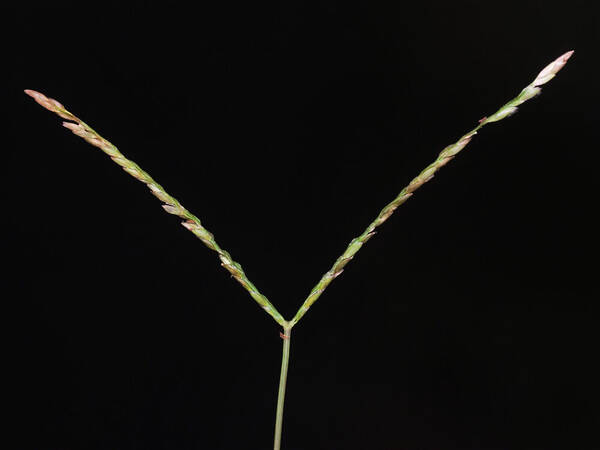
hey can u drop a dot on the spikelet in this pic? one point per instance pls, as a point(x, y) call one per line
point(552, 69)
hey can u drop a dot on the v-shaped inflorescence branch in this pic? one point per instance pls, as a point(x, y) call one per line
point(192, 223)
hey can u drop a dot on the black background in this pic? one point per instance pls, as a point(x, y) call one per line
point(469, 322)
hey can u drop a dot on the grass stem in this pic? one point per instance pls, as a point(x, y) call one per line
point(285, 359)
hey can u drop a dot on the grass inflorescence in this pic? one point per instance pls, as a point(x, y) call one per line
point(193, 224)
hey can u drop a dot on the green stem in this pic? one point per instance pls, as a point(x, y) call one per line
point(285, 359)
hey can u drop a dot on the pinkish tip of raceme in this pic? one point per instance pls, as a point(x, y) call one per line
point(37, 96)
point(567, 55)
point(48, 103)
point(552, 69)
point(33, 93)
point(562, 60)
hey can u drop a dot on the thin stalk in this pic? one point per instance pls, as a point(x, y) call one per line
point(285, 360)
